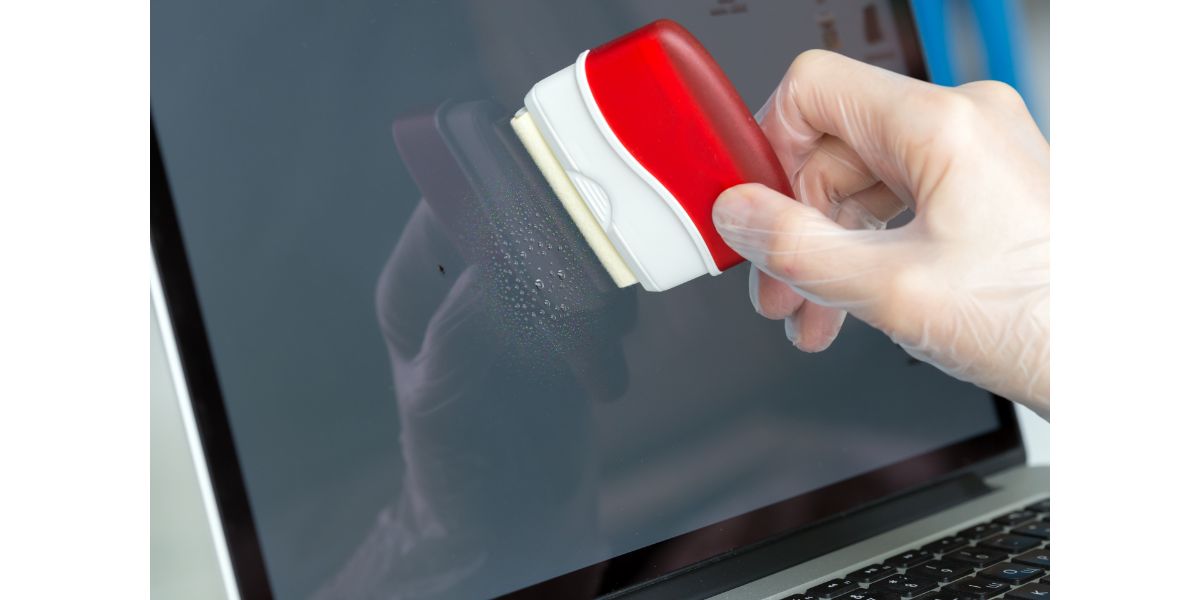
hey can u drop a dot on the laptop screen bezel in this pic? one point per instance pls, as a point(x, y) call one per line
point(980, 455)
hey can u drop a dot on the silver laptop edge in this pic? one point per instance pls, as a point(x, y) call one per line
point(1014, 488)
point(183, 397)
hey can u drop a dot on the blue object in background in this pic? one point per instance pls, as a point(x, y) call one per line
point(1000, 33)
point(935, 37)
point(998, 30)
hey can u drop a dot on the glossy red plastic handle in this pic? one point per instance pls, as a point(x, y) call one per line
point(672, 107)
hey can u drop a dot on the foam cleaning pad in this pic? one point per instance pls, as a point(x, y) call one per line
point(593, 234)
point(637, 139)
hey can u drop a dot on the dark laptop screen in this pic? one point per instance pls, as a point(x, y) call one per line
point(432, 389)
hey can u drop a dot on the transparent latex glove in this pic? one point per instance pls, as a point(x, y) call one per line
point(965, 285)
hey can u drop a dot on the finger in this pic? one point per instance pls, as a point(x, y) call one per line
point(812, 328)
point(832, 172)
point(836, 175)
point(793, 140)
point(775, 299)
point(826, 93)
point(772, 298)
point(411, 285)
point(797, 244)
point(871, 208)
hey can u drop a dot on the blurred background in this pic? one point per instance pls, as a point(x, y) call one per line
point(964, 40)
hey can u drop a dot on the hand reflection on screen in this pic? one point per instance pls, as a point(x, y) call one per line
point(501, 334)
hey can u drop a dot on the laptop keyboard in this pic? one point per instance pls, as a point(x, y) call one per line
point(1007, 557)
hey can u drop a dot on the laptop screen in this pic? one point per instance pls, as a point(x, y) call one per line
point(431, 389)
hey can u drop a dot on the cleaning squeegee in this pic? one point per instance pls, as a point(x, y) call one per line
point(637, 139)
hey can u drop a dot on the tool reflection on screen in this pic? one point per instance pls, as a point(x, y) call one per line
point(546, 291)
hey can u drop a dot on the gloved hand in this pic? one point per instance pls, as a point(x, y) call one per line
point(965, 285)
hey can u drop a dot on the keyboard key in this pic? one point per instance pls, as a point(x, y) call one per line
point(1037, 529)
point(906, 585)
point(832, 589)
point(1033, 591)
point(946, 544)
point(1035, 558)
point(981, 531)
point(942, 594)
point(1015, 518)
point(1011, 543)
point(1012, 574)
point(942, 571)
point(908, 559)
point(871, 573)
point(801, 597)
point(976, 557)
point(1042, 506)
point(976, 587)
point(870, 595)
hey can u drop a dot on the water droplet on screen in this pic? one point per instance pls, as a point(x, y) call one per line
point(561, 274)
point(539, 284)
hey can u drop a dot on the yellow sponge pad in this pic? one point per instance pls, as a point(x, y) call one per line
point(543, 157)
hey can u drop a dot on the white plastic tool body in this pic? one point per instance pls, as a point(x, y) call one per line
point(639, 216)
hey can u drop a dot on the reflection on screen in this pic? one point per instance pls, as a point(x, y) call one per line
point(434, 389)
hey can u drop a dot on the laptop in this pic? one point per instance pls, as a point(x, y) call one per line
point(408, 377)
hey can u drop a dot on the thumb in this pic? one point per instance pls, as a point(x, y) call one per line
point(797, 244)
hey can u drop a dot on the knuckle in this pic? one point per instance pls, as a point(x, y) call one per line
point(996, 91)
point(807, 62)
point(954, 120)
point(958, 112)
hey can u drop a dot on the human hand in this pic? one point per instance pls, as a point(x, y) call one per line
point(965, 285)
